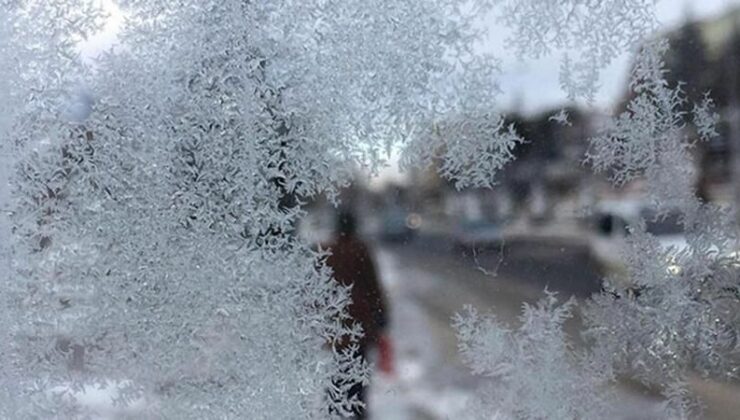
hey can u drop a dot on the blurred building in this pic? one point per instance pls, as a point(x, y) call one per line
point(704, 58)
point(548, 176)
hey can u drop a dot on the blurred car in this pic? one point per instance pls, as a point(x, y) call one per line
point(398, 225)
point(611, 222)
point(470, 234)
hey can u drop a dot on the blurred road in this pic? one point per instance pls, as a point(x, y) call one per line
point(429, 281)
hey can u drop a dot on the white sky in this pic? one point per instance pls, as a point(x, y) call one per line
point(533, 85)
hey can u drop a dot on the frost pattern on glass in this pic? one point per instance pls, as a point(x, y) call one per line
point(37, 40)
point(650, 138)
point(533, 371)
point(469, 150)
point(155, 198)
point(152, 234)
point(677, 310)
point(588, 33)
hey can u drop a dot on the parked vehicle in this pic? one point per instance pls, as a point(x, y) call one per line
point(611, 224)
point(398, 225)
point(474, 234)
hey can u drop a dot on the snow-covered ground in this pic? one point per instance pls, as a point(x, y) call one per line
point(430, 381)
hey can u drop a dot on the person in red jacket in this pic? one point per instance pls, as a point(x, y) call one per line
point(353, 265)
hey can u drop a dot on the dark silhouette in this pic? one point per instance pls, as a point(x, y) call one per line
point(353, 265)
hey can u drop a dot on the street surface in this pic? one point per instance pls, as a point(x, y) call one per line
point(428, 282)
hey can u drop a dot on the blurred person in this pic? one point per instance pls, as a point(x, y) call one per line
point(353, 265)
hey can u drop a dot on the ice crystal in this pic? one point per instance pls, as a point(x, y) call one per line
point(589, 33)
point(154, 200)
point(561, 118)
point(534, 372)
point(676, 311)
point(650, 138)
point(470, 149)
point(37, 41)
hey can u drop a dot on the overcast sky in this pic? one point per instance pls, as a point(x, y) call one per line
point(533, 85)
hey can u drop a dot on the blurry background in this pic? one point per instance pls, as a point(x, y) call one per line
point(550, 222)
